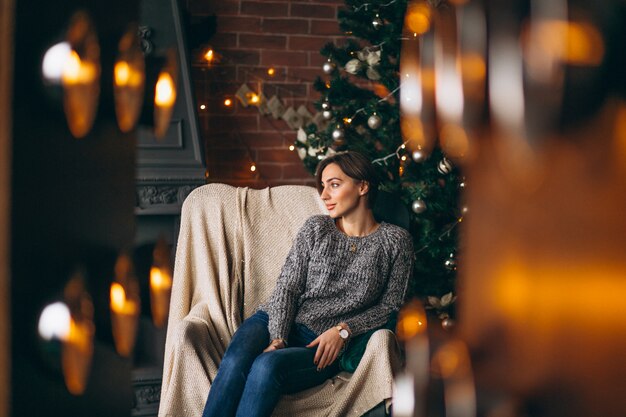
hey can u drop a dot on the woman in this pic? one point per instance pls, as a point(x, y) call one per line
point(345, 275)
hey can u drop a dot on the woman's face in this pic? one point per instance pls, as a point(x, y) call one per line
point(340, 193)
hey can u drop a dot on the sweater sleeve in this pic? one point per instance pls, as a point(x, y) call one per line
point(290, 284)
point(394, 294)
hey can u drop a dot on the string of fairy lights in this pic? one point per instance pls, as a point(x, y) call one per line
point(255, 98)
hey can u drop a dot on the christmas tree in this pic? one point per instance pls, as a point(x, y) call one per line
point(360, 96)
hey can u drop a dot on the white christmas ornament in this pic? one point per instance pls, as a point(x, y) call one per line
point(328, 67)
point(338, 133)
point(353, 66)
point(372, 74)
point(418, 206)
point(373, 58)
point(313, 151)
point(445, 166)
point(377, 22)
point(301, 136)
point(374, 121)
point(418, 156)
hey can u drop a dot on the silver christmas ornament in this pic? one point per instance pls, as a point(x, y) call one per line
point(450, 263)
point(374, 121)
point(338, 133)
point(325, 105)
point(418, 206)
point(447, 323)
point(419, 156)
point(327, 114)
point(377, 22)
point(445, 166)
point(328, 67)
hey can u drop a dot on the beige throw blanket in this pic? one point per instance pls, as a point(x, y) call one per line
point(231, 247)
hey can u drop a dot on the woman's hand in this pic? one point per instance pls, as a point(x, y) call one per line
point(275, 345)
point(329, 344)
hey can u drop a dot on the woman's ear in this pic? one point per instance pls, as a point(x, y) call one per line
point(364, 188)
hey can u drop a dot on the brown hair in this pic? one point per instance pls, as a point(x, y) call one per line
point(354, 165)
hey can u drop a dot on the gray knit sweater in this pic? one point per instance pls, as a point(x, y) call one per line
point(330, 277)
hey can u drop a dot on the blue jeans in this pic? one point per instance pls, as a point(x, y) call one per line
point(249, 383)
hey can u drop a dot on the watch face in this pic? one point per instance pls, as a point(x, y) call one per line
point(343, 333)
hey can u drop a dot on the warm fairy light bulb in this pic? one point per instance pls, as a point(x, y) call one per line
point(271, 71)
point(291, 147)
point(209, 55)
point(253, 168)
point(254, 98)
point(165, 92)
point(202, 107)
point(347, 120)
point(403, 157)
point(403, 146)
point(228, 102)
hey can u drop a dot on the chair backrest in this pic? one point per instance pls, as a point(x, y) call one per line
point(269, 221)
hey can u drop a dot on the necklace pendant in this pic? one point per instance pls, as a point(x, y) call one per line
point(353, 248)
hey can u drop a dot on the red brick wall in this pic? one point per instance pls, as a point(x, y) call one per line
point(253, 36)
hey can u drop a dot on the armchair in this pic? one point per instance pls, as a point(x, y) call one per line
point(231, 247)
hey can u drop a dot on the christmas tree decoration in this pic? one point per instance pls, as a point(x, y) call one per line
point(243, 95)
point(329, 67)
point(372, 74)
point(374, 121)
point(293, 118)
point(353, 66)
point(338, 133)
point(447, 323)
point(327, 114)
point(450, 263)
point(418, 206)
point(419, 156)
point(320, 121)
point(377, 22)
point(276, 107)
point(306, 115)
point(325, 105)
point(444, 167)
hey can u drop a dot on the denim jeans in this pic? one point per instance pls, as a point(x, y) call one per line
point(249, 383)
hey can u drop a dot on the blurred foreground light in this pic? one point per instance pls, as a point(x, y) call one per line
point(573, 43)
point(418, 17)
point(54, 61)
point(54, 322)
point(404, 396)
point(165, 91)
point(160, 293)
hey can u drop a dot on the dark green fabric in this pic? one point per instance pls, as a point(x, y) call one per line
point(351, 358)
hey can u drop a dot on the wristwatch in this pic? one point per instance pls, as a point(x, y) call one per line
point(343, 333)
